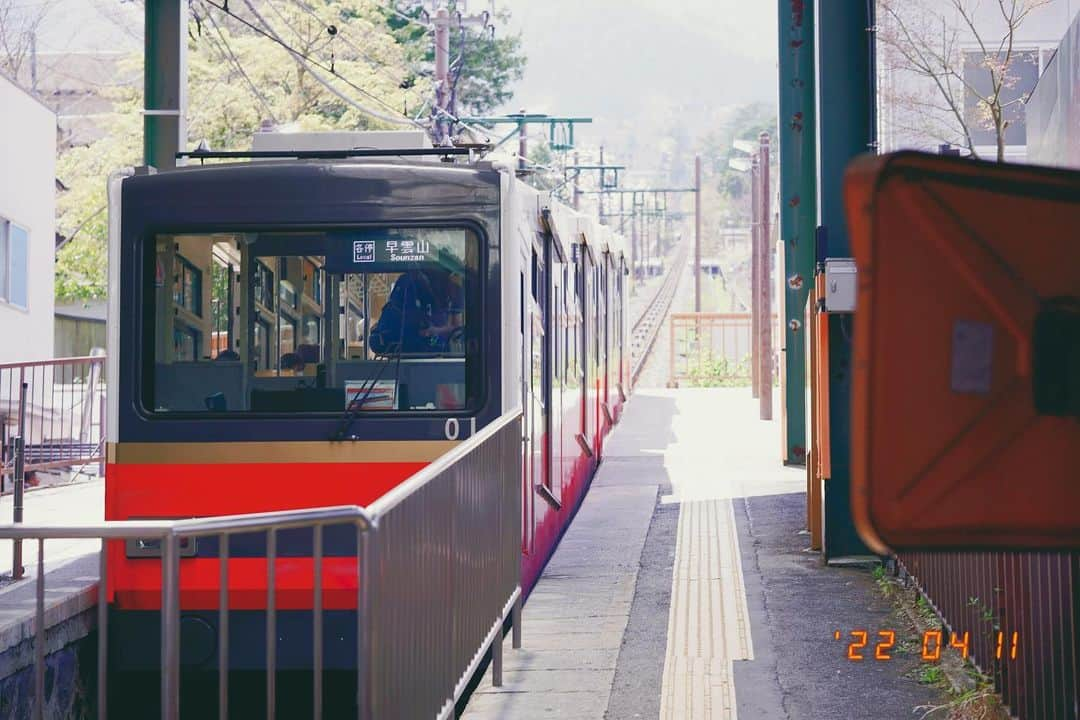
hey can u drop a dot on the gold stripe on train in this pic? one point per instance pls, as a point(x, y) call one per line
point(319, 451)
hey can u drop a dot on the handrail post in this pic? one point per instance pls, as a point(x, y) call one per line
point(170, 627)
point(317, 623)
point(39, 633)
point(515, 619)
point(19, 443)
point(497, 656)
point(364, 626)
point(271, 624)
point(103, 632)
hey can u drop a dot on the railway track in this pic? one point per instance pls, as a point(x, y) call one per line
point(647, 325)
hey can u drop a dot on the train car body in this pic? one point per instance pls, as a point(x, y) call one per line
point(303, 333)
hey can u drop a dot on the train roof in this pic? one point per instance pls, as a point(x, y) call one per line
point(399, 179)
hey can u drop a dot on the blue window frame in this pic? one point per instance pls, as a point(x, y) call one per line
point(14, 264)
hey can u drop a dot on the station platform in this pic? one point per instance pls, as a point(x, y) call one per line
point(683, 590)
point(71, 573)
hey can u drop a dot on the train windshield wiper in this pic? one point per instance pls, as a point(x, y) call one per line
point(352, 410)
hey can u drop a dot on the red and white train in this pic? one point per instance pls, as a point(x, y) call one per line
point(308, 332)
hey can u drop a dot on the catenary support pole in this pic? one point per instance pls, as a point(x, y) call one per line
point(845, 84)
point(165, 82)
point(798, 208)
point(442, 75)
point(697, 234)
point(600, 197)
point(577, 185)
point(755, 277)
point(523, 143)
point(765, 249)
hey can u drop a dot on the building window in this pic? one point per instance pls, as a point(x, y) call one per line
point(1023, 73)
point(188, 290)
point(14, 258)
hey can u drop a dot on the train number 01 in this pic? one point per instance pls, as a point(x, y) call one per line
point(453, 428)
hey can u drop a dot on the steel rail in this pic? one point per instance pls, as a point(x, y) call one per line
point(647, 326)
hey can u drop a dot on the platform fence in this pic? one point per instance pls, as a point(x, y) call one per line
point(54, 410)
point(1020, 612)
point(713, 349)
point(438, 576)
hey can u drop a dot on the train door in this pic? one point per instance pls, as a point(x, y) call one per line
point(552, 375)
point(537, 387)
point(603, 417)
point(528, 506)
point(588, 351)
point(618, 329)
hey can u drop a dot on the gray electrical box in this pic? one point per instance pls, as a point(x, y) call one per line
point(840, 285)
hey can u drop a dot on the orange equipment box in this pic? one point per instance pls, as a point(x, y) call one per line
point(966, 367)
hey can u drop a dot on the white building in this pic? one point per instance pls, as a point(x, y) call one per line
point(912, 110)
point(27, 225)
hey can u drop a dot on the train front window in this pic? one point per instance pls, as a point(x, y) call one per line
point(379, 320)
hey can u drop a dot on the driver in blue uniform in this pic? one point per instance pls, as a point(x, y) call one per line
point(447, 309)
point(421, 315)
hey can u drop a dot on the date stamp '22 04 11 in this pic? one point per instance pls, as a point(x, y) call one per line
point(862, 646)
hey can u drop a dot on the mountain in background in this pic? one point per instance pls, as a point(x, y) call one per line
point(656, 75)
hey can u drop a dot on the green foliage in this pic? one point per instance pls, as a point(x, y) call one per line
point(747, 122)
point(238, 80)
point(81, 215)
point(931, 675)
point(719, 372)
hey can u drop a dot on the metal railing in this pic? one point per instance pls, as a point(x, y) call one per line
point(438, 572)
point(57, 408)
point(712, 349)
point(52, 415)
point(1018, 613)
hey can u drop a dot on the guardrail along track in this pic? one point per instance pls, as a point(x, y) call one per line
point(647, 325)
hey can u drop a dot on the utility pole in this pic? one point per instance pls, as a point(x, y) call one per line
point(577, 186)
point(442, 75)
point(523, 144)
point(755, 275)
point(602, 179)
point(765, 282)
point(165, 82)
point(697, 234)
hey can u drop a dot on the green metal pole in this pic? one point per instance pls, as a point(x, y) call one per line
point(165, 73)
point(845, 77)
point(798, 207)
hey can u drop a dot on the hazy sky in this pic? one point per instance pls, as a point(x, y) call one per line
point(641, 63)
point(638, 67)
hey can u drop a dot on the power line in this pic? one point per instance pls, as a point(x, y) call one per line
point(311, 62)
point(224, 48)
point(330, 69)
point(377, 65)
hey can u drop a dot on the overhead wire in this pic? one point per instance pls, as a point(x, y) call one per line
point(311, 63)
point(377, 65)
point(308, 61)
point(225, 50)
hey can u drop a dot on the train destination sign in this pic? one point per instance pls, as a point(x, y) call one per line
point(395, 250)
point(391, 250)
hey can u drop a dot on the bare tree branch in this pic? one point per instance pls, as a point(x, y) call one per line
point(920, 48)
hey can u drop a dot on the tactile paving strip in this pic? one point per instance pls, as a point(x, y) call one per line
point(708, 625)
